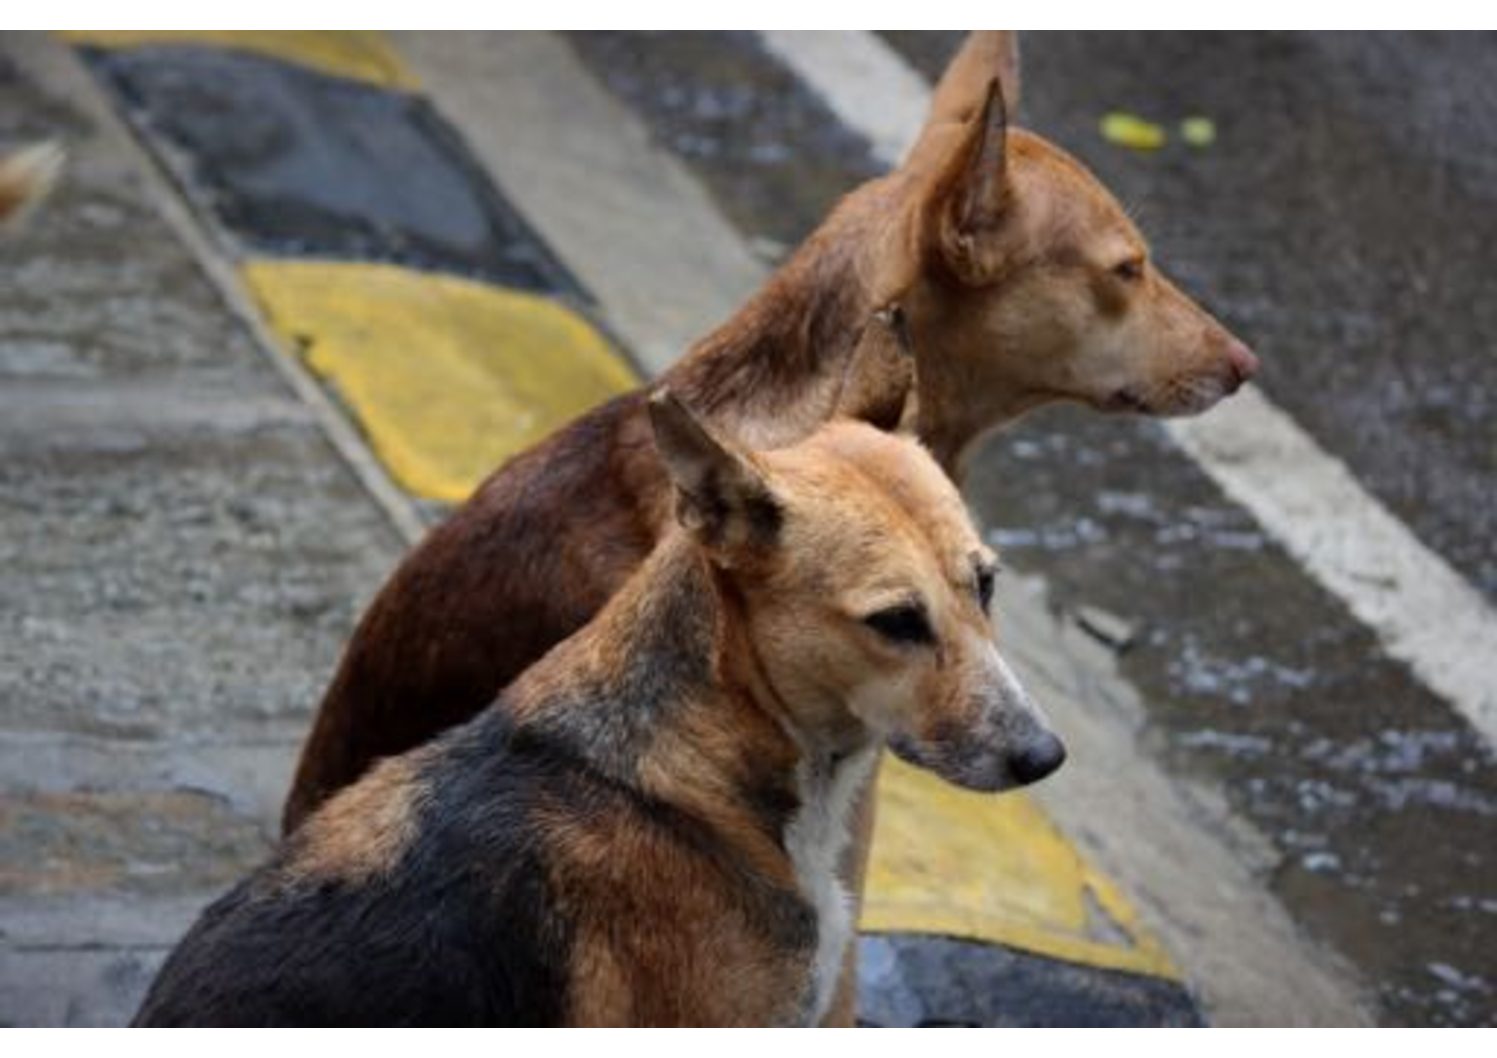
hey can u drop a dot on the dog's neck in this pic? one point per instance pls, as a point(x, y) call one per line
point(954, 411)
point(663, 692)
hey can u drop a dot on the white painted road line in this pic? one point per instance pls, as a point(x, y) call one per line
point(1424, 613)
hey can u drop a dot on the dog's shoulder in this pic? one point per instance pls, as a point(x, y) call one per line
point(405, 900)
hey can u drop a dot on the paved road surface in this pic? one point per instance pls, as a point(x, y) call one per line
point(1260, 801)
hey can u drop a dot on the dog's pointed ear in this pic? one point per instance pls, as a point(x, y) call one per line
point(1000, 50)
point(721, 496)
point(971, 194)
point(963, 88)
point(879, 381)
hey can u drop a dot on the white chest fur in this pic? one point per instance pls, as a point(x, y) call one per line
point(816, 839)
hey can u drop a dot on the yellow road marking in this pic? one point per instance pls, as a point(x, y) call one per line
point(979, 867)
point(448, 378)
point(357, 55)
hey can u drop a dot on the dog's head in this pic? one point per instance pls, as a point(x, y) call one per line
point(860, 596)
point(1036, 286)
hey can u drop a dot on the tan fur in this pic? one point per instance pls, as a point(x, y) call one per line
point(616, 879)
point(1052, 296)
point(984, 55)
point(879, 386)
point(871, 525)
point(364, 830)
point(922, 531)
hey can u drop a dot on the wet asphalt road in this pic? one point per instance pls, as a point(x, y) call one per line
point(1341, 224)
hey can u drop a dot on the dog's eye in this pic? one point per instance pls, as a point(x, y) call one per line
point(1130, 270)
point(902, 624)
point(985, 587)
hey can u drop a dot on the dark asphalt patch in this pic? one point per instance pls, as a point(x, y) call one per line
point(298, 163)
point(914, 980)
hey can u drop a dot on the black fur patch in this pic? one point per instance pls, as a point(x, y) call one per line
point(461, 932)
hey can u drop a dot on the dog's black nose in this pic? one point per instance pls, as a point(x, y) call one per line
point(1037, 759)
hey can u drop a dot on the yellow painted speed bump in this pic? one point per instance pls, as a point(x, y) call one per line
point(979, 867)
point(447, 377)
point(355, 54)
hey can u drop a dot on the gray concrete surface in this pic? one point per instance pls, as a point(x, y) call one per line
point(182, 553)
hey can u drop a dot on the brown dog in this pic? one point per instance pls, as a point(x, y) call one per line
point(645, 830)
point(1024, 283)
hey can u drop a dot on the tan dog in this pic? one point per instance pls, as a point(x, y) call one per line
point(1024, 283)
point(26, 176)
point(645, 830)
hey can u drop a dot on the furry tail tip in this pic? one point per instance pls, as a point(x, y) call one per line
point(26, 175)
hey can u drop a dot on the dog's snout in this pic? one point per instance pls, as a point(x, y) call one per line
point(1243, 364)
point(1037, 758)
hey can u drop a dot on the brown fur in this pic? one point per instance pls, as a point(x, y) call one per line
point(963, 87)
point(364, 829)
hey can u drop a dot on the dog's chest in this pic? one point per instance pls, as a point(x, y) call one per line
point(816, 839)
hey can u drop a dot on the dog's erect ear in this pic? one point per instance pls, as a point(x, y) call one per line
point(963, 88)
point(999, 51)
point(879, 381)
point(26, 176)
point(969, 197)
point(721, 497)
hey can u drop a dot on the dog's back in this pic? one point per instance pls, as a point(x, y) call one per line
point(494, 878)
point(409, 901)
